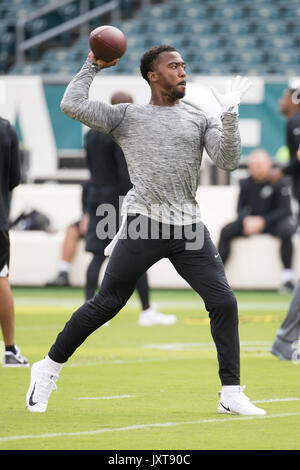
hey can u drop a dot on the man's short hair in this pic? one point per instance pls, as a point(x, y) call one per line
point(151, 56)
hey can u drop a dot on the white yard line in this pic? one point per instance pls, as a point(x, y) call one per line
point(271, 400)
point(50, 302)
point(106, 398)
point(253, 345)
point(138, 427)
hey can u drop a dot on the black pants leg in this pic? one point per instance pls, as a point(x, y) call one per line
point(204, 271)
point(142, 288)
point(284, 230)
point(92, 275)
point(228, 233)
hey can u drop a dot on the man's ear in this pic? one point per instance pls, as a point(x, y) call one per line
point(152, 77)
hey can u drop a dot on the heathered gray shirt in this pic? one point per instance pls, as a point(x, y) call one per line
point(162, 145)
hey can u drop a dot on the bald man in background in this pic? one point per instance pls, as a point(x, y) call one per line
point(263, 207)
point(109, 182)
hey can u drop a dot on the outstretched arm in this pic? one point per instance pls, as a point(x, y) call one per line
point(76, 103)
point(223, 142)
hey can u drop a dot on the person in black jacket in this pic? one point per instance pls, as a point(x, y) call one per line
point(263, 207)
point(289, 106)
point(9, 179)
point(109, 182)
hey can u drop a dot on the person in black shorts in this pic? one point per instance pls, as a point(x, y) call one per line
point(9, 179)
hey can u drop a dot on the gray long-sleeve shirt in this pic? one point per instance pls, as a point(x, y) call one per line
point(163, 147)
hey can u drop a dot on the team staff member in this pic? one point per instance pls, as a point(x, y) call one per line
point(163, 144)
point(263, 207)
point(9, 179)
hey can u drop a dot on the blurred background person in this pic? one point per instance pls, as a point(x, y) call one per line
point(74, 233)
point(286, 346)
point(9, 179)
point(263, 207)
point(289, 106)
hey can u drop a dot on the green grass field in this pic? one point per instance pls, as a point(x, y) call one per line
point(135, 388)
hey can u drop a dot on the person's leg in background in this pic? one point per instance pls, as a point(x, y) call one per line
point(285, 230)
point(92, 275)
point(12, 355)
point(150, 316)
point(69, 248)
point(285, 346)
point(228, 233)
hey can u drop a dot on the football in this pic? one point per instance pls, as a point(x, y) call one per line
point(107, 43)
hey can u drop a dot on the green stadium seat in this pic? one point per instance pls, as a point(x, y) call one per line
point(228, 13)
point(232, 27)
point(240, 42)
point(272, 27)
point(196, 27)
point(262, 13)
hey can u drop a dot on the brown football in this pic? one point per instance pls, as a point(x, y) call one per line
point(107, 43)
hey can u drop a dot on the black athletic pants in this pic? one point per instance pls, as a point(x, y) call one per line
point(284, 230)
point(92, 277)
point(201, 267)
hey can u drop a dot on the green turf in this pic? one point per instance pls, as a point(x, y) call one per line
point(168, 375)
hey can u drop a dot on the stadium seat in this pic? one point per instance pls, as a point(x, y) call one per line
point(239, 41)
point(262, 13)
point(228, 13)
point(231, 27)
point(273, 27)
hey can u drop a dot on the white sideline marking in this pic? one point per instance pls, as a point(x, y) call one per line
point(271, 400)
point(145, 426)
point(106, 398)
point(42, 301)
point(263, 345)
point(125, 361)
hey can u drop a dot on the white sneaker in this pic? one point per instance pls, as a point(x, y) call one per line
point(151, 317)
point(237, 403)
point(42, 383)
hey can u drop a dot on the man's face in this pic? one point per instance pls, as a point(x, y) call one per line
point(170, 75)
point(260, 167)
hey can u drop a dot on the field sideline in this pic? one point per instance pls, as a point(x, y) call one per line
point(135, 388)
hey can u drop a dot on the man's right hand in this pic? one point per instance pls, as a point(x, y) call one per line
point(102, 64)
